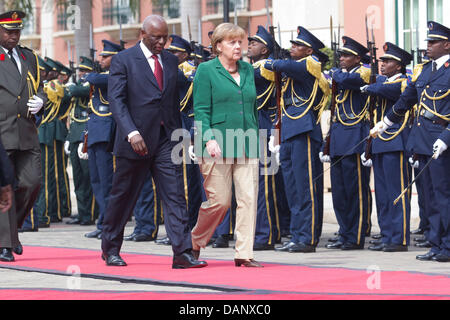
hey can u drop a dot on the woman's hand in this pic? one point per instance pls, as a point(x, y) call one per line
point(213, 149)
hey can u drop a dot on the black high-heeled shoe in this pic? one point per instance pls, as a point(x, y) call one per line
point(249, 263)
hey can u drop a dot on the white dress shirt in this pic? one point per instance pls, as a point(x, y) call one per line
point(440, 62)
point(15, 56)
point(148, 55)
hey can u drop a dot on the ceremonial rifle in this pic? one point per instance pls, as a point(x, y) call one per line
point(192, 43)
point(373, 78)
point(71, 62)
point(334, 86)
point(96, 68)
point(276, 55)
point(122, 43)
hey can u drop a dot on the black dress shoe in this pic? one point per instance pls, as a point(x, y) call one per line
point(114, 260)
point(352, 246)
point(6, 255)
point(164, 241)
point(377, 236)
point(302, 247)
point(335, 239)
point(186, 261)
point(420, 239)
point(426, 257)
point(143, 237)
point(28, 229)
point(18, 250)
point(73, 221)
point(263, 246)
point(93, 234)
point(376, 247)
point(129, 237)
point(285, 247)
point(55, 220)
point(395, 248)
point(87, 223)
point(418, 231)
point(221, 241)
point(441, 258)
point(376, 242)
point(425, 244)
point(336, 245)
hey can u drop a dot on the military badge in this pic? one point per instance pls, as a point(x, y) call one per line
point(430, 26)
point(446, 64)
point(385, 47)
point(14, 16)
point(2, 57)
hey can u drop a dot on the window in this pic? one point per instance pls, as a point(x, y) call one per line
point(118, 11)
point(434, 10)
point(61, 14)
point(166, 8)
point(216, 6)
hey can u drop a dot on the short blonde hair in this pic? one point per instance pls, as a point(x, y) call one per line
point(225, 31)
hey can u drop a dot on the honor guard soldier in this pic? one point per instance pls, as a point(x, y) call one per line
point(100, 135)
point(21, 97)
point(349, 179)
point(270, 204)
point(53, 197)
point(389, 153)
point(429, 89)
point(304, 97)
point(191, 171)
point(78, 116)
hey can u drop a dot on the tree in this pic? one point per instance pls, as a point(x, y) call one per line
point(23, 5)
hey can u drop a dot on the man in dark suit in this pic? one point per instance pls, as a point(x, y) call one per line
point(21, 97)
point(143, 100)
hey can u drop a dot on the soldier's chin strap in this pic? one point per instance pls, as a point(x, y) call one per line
point(415, 178)
point(342, 157)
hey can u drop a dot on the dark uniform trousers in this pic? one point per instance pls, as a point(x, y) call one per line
point(148, 209)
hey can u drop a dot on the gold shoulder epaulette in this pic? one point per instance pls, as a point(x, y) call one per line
point(418, 70)
point(186, 68)
point(314, 67)
point(365, 73)
point(266, 74)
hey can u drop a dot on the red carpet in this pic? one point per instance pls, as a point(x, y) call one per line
point(281, 281)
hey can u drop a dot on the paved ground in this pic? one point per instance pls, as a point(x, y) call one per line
point(63, 235)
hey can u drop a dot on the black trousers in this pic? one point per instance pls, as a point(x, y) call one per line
point(127, 184)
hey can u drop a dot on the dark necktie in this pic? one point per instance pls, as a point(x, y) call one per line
point(10, 53)
point(434, 67)
point(158, 72)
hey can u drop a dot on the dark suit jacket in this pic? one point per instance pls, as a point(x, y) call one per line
point(16, 130)
point(137, 103)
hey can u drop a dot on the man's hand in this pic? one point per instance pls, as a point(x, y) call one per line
point(5, 198)
point(324, 158)
point(213, 149)
point(66, 147)
point(272, 147)
point(138, 145)
point(380, 127)
point(35, 104)
point(81, 154)
point(192, 153)
point(365, 162)
point(438, 148)
point(413, 163)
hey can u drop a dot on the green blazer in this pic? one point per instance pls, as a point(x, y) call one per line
point(225, 111)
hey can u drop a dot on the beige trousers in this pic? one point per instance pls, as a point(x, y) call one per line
point(218, 179)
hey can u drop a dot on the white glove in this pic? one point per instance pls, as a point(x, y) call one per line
point(192, 153)
point(66, 147)
point(438, 147)
point(363, 89)
point(81, 154)
point(277, 158)
point(35, 104)
point(272, 147)
point(380, 127)
point(366, 162)
point(414, 164)
point(324, 158)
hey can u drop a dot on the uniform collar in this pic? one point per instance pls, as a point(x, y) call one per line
point(394, 77)
point(441, 61)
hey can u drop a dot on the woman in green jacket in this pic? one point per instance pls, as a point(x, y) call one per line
point(226, 142)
